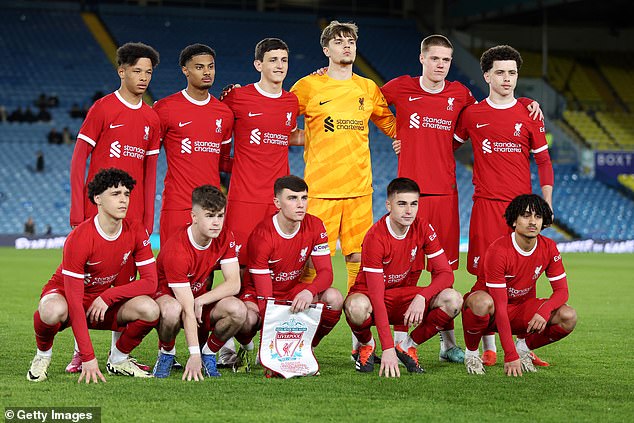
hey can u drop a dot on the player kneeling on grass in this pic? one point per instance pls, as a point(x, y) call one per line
point(80, 293)
point(278, 250)
point(385, 291)
point(505, 299)
point(185, 264)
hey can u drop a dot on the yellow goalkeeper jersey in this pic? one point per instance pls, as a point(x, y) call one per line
point(336, 117)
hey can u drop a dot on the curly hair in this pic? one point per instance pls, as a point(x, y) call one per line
point(503, 52)
point(534, 203)
point(130, 53)
point(109, 178)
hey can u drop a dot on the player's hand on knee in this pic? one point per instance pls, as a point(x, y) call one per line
point(536, 324)
point(415, 312)
point(513, 368)
point(396, 146)
point(90, 372)
point(97, 310)
point(301, 301)
point(389, 364)
point(193, 368)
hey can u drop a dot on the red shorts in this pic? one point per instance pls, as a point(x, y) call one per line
point(397, 301)
point(487, 224)
point(519, 314)
point(241, 218)
point(172, 221)
point(110, 319)
point(441, 211)
point(206, 315)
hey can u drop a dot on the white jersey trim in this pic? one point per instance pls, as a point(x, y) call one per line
point(103, 234)
point(144, 262)
point(227, 141)
point(229, 260)
point(457, 138)
point(127, 104)
point(556, 278)
point(179, 285)
point(540, 149)
point(436, 254)
point(372, 270)
point(73, 274)
point(264, 93)
point(519, 250)
point(259, 271)
point(193, 243)
point(87, 139)
point(281, 233)
point(389, 228)
point(496, 285)
point(194, 101)
point(501, 106)
point(152, 152)
point(427, 90)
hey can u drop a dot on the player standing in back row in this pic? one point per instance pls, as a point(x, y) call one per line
point(119, 131)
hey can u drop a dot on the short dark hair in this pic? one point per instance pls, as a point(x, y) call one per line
point(269, 44)
point(400, 185)
point(532, 202)
point(130, 53)
point(435, 40)
point(109, 178)
point(195, 50)
point(209, 198)
point(336, 28)
point(502, 52)
point(292, 182)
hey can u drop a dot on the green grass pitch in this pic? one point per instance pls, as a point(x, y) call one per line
point(591, 377)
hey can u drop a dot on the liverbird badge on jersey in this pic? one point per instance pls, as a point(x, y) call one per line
point(361, 103)
point(289, 116)
point(518, 129)
point(219, 125)
point(286, 339)
point(450, 103)
point(146, 136)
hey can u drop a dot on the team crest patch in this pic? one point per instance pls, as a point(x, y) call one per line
point(146, 133)
point(450, 101)
point(361, 103)
point(289, 116)
point(286, 340)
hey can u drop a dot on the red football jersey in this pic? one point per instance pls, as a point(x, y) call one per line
point(263, 124)
point(182, 262)
point(93, 260)
point(192, 134)
point(425, 122)
point(503, 138)
point(509, 268)
point(399, 259)
point(121, 135)
point(283, 256)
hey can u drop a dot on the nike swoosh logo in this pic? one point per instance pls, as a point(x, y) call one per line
point(181, 124)
point(94, 263)
point(274, 261)
point(116, 126)
point(32, 377)
point(414, 98)
point(509, 276)
point(387, 262)
point(132, 278)
point(255, 114)
point(321, 103)
point(452, 262)
point(189, 275)
point(481, 125)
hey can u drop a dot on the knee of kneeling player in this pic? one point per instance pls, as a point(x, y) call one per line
point(149, 311)
point(236, 310)
point(356, 311)
point(333, 298)
point(568, 317)
point(450, 301)
point(171, 313)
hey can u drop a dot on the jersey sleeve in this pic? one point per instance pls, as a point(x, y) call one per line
point(321, 260)
point(390, 91)
point(177, 266)
point(539, 148)
point(557, 276)
point(441, 273)
point(92, 127)
point(259, 250)
point(74, 258)
point(229, 254)
point(382, 115)
point(461, 133)
point(162, 111)
point(146, 265)
point(372, 255)
point(494, 272)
